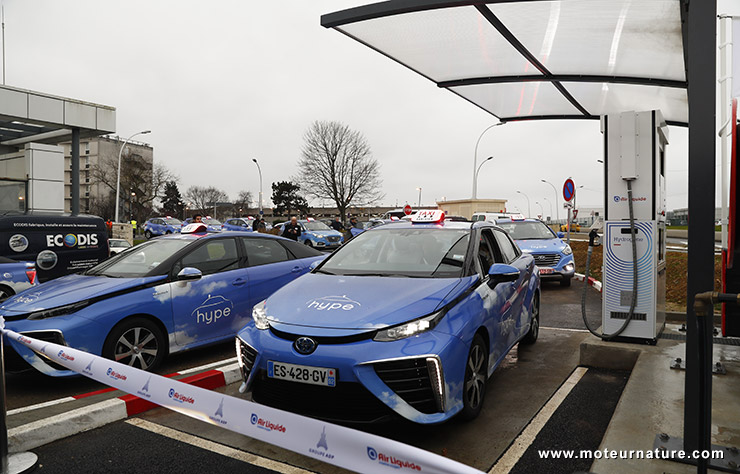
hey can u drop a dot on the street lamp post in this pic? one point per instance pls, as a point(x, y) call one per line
point(260, 172)
point(477, 172)
point(557, 212)
point(549, 203)
point(118, 179)
point(475, 159)
point(542, 209)
point(529, 209)
point(419, 204)
point(131, 206)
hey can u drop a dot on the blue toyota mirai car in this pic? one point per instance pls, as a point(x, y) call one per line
point(163, 296)
point(407, 319)
point(552, 256)
point(238, 223)
point(161, 226)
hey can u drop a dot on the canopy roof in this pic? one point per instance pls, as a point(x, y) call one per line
point(536, 59)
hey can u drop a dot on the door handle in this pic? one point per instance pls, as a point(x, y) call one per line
point(296, 269)
point(239, 282)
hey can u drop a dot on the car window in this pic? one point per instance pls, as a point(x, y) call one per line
point(216, 255)
point(485, 252)
point(263, 251)
point(527, 230)
point(139, 261)
point(507, 247)
point(300, 250)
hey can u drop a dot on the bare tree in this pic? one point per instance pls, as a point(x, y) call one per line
point(203, 197)
point(242, 202)
point(337, 164)
point(138, 176)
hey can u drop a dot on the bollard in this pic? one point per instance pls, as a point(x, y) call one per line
point(16, 463)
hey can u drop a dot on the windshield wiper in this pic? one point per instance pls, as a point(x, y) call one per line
point(326, 272)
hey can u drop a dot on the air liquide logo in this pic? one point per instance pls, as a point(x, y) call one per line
point(634, 199)
point(213, 309)
point(65, 356)
point(24, 339)
point(115, 375)
point(266, 425)
point(322, 447)
point(181, 397)
point(72, 240)
point(391, 461)
point(332, 303)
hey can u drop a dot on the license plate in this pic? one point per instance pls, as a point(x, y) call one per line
point(302, 373)
point(546, 271)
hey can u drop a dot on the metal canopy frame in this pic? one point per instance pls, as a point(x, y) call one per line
point(698, 40)
point(340, 19)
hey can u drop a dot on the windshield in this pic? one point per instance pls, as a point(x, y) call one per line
point(315, 225)
point(119, 243)
point(527, 230)
point(172, 221)
point(211, 221)
point(404, 252)
point(139, 261)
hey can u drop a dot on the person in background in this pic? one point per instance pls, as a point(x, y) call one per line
point(336, 225)
point(292, 230)
point(256, 224)
point(198, 219)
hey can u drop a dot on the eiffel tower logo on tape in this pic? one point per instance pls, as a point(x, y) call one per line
point(220, 410)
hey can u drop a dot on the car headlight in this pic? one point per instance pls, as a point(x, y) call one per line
point(412, 328)
point(260, 316)
point(58, 311)
point(567, 250)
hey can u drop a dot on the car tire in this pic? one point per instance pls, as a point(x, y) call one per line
point(565, 282)
point(5, 292)
point(534, 328)
point(168, 232)
point(308, 243)
point(137, 342)
point(148, 234)
point(476, 374)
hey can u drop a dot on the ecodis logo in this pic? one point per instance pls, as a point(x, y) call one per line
point(391, 461)
point(65, 356)
point(331, 303)
point(266, 425)
point(115, 375)
point(181, 397)
point(213, 309)
point(72, 240)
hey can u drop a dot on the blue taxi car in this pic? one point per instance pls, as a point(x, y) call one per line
point(407, 319)
point(238, 223)
point(316, 234)
point(163, 296)
point(213, 225)
point(161, 226)
point(552, 256)
point(15, 277)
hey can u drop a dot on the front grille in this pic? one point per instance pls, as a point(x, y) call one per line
point(410, 380)
point(333, 238)
point(348, 401)
point(15, 363)
point(546, 259)
point(247, 355)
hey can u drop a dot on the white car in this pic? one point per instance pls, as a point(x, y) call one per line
point(118, 245)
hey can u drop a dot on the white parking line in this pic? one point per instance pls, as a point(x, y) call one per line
point(512, 455)
point(216, 447)
point(15, 411)
point(207, 366)
point(564, 329)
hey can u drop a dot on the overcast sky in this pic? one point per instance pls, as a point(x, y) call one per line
point(222, 82)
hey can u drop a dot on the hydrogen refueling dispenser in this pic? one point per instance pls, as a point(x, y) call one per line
point(634, 164)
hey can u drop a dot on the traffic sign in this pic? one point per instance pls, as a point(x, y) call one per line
point(575, 213)
point(569, 189)
point(407, 209)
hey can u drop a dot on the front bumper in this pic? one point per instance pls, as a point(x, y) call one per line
point(418, 378)
point(564, 269)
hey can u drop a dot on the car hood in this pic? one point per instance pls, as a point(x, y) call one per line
point(70, 289)
point(341, 305)
point(541, 246)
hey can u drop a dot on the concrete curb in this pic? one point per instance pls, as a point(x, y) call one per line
point(44, 431)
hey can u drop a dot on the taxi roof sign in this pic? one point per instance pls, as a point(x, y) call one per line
point(428, 216)
point(517, 217)
point(194, 228)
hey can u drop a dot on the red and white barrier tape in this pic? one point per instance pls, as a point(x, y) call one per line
point(333, 444)
point(596, 284)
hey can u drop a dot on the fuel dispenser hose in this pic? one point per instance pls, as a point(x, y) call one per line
point(633, 302)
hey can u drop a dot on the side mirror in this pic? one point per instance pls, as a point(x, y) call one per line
point(561, 235)
point(500, 273)
point(313, 265)
point(189, 273)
